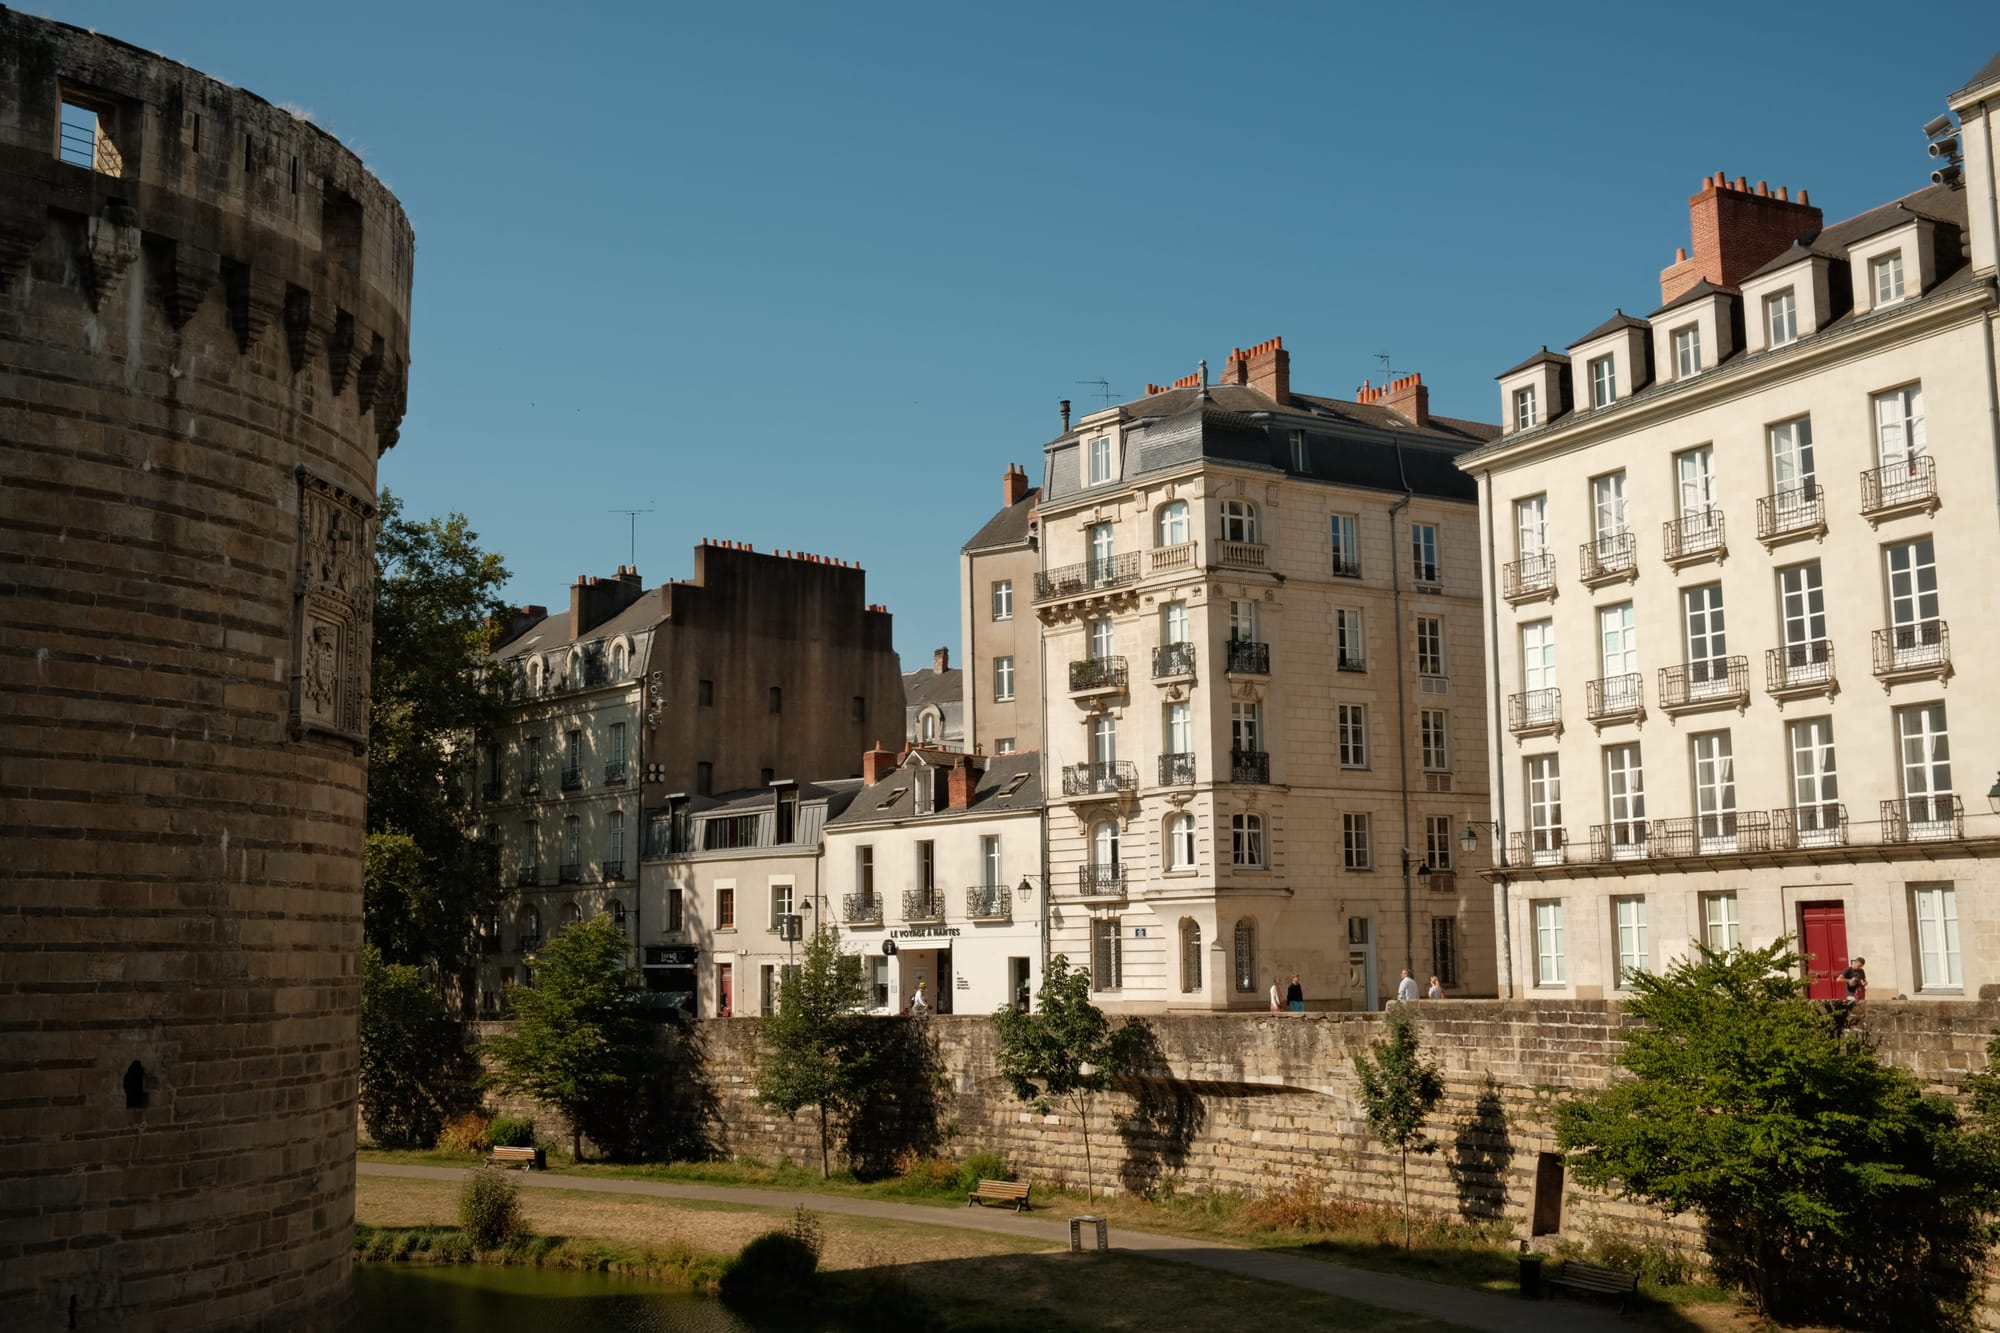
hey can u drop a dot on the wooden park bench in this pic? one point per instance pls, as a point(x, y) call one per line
point(1596, 1280)
point(527, 1158)
point(1000, 1191)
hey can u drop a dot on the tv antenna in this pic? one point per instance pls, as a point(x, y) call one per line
point(632, 527)
point(1103, 389)
point(1387, 373)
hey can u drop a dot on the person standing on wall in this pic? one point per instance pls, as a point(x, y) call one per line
point(1295, 995)
point(1436, 991)
point(1406, 989)
point(1856, 977)
point(1277, 1002)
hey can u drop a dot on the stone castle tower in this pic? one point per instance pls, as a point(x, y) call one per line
point(204, 337)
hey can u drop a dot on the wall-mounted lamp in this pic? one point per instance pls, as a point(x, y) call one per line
point(1993, 796)
point(1468, 841)
point(1027, 890)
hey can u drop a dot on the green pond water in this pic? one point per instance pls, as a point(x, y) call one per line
point(447, 1298)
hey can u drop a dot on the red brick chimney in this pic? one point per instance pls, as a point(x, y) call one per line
point(1014, 486)
point(941, 661)
point(1266, 367)
point(964, 781)
point(1406, 396)
point(1736, 231)
point(523, 620)
point(878, 763)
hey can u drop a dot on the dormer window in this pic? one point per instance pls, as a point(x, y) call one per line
point(1527, 410)
point(1603, 382)
point(1781, 318)
point(1100, 460)
point(1298, 444)
point(1687, 350)
point(1886, 275)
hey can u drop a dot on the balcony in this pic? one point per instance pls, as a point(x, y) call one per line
point(1253, 766)
point(1923, 819)
point(1917, 651)
point(1530, 578)
point(612, 871)
point(1535, 713)
point(1711, 682)
point(1719, 834)
point(1176, 770)
point(923, 906)
point(570, 873)
point(1106, 778)
point(1695, 537)
point(1427, 577)
point(1615, 698)
point(1800, 669)
point(531, 786)
point(1167, 559)
point(530, 877)
point(1097, 675)
point(1621, 840)
point(572, 779)
point(1538, 847)
point(1350, 659)
point(1823, 825)
point(1115, 571)
point(489, 943)
point(989, 902)
point(861, 909)
point(1240, 555)
point(1346, 565)
point(1609, 558)
point(614, 773)
point(1249, 659)
point(1789, 515)
point(1173, 661)
point(1100, 879)
point(491, 791)
point(1907, 487)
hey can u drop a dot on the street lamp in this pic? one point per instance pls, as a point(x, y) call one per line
point(1468, 841)
point(1027, 890)
point(1993, 796)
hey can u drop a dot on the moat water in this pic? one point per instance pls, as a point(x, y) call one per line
point(449, 1298)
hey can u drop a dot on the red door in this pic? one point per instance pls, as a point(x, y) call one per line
point(725, 990)
point(1823, 930)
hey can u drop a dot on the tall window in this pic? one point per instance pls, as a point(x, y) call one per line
point(1899, 425)
point(1173, 524)
point(1355, 850)
point(1346, 545)
point(1444, 949)
point(1792, 463)
point(1618, 655)
point(1781, 318)
point(1531, 526)
point(1545, 811)
point(1913, 600)
point(1243, 622)
point(1815, 785)
point(1721, 928)
point(572, 842)
point(618, 743)
point(1350, 640)
point(1104, 740)
point(1527, 409)
point(1802, 610)
point(1239, 521)
point(572, 753)
point(1887, 278)
point(1353, 727)
point(1107, 961)
point(1437, 841)
point(1190, 955)
point(1935, 907)
point(1100, 639)
point(1100, 460)
point(1687, 350)
point(1003, 679)
point(1607, 505)
point(864, 872)
point(531, 769)
point(1174, 623)
point(1246, 727)
point(614, 837)
point(1101, 569)
point(1431, 734)
point(1548, 914)
point(1707, 646)
point(1925, 747)
point(1180, 842)
point(1298, 451)
point(1246, 956)
point(1104, 843)
point(1714, 792)
point(1246, 840)
point(1625, 799)
point(1430, 645)
point(1538, 655)
point(989, 860)
point(1179, 728)
point(1603, 382)
point(531, 851)
point(1629, 916)
point(1003, 599)
point(1694, 469)
point(927, 866)
point(781, 901)
point(725, 908)
point(1424, 552)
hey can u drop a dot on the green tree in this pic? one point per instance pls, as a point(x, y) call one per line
point(413, 1062)
point(1399, 1089)
point(433, 693)
point(1831, 1187)
point(581, 1040)
point(1065, 1052)
point(815, 1051)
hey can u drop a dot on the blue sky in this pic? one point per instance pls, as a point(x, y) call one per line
point(810, 276)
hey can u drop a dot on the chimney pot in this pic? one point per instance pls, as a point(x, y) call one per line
point(941, 661)
point(1064, 404)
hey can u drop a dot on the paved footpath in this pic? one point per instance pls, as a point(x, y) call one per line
point(1451, 1305)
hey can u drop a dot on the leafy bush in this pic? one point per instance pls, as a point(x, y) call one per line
point(776, 1270)
point(807, 1230)
point(925, 1175)
point(413, 1063)
point(510, 1132)
point(489, 1210)
point(983, 1166)
point(471, 1134)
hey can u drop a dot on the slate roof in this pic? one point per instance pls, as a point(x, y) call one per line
point(1935, 203)
point(1009, 527)
point(553, 631)
point(1621, 320)
point(1544, 355)
point(836, 792)
point(1987, 73)
point(1700, 290)
point(893, 798)
point(931, 686)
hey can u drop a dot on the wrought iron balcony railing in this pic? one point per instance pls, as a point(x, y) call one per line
point(1534, 710)
point(613, 871)
point(923, 905)
point(1620, 840)
point(1910, 484)
point(1249, 766)
point(989, 902)
point(1715, 834)
point(491, 791)
point(614, 773)
point(571, 872)
point(1791, 513)
point(1096, 673)
point(1075, 580)
point(1923, 819)
point(529, 877)
point(1610, 697)
point(1920, 648)
point(531, 786)
point(1539, 847)
point(1351, 659)
point(1531, 576)
point(1346, 564)
point(1803, 666)
point(1253, 659)
point(1102, 778)
point(1615, 555)
point(1177, 769)
point(1695, 536)
point(1100, 879)
point(1173, 659)
point(572, 779)
point(1705, 682)
point(860, 909)
point(1822, 825)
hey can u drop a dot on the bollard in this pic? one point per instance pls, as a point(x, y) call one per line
point(1076, 1225)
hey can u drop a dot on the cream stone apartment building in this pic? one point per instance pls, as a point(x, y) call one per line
point(1259, 617)
point(1740, 564)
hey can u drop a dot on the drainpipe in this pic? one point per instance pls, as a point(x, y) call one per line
point(1499, 769)
point(1402, 717)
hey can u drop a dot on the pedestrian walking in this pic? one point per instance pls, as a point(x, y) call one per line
point(1295, 996)
point(1406, 989)
point(1277, 1002)
point(1436, 991)
point(917, 1002)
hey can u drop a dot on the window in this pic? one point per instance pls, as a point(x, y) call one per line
point(1179, 728)
point(1350, 640)
point(1618, 653)
point(1625, 799)
point(1355, 850)
point(1424, 552)
point(1430, 645)
point(1346, 546)
point(1899, 425)
point(1694, 469)
point(1548, 915)
point(1886, 276)
point(924, 781)
point(1707, 645)
point(531, 851)
point(1174, 623)
point(864, 872)
point(1607, 503)
point(78, 139)
point(1100, 460)
point(572, 753)
point(1527, 411)
point(781, 901)
point(1815, 784)
point(1714, 792)
point(1444, 949)
point(1720, 928)
point(531, 770)
point(1792, 480)
point(1246, 727)
point(1101, 564)
point(1629, 920)
point(1545, 812)
point(989, 861)
point(1171, 526)
point(1802, 609)
point(1781, 318)
point(777, 699)
point(1925, 751)
point(1431, 733)
point(1246, 840)
point(722, 832)
point(572, 841)
point(1935, 907)
point(614, 841)
point(1298, 448)
point(1180, 842)
point(1101, 641)
point(1239, 521)
point(1353, 720)
point(725, 908)
point(1104, 844)
point(1246, 956)
point(1603, 381)
point(1003, 679)
point(1104, 740)
point(1915, 632)
point(1437, 841)
point(1538, 656)
point(928, 727)
point(1687, 350)
point(1531, 526)
point(1003, 599)
point(676, 911)
point(618, 744)
point(1107, 963)
point(704, 694)
point(1243, 622)
point(1004, 745)
point(1190, 955)
point(927, 867)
